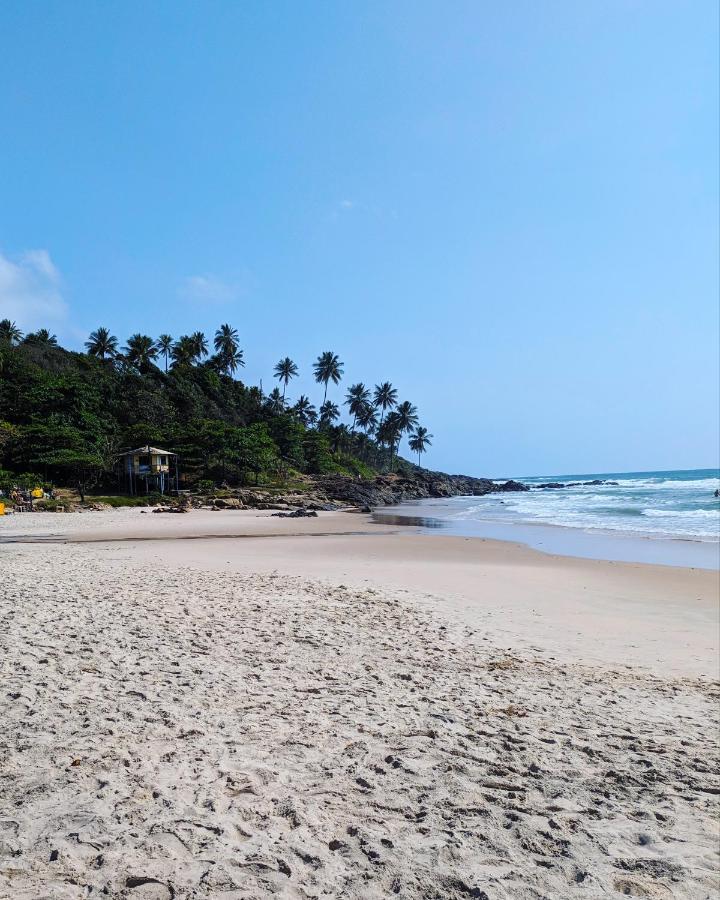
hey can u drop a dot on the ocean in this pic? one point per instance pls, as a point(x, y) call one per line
point(675, 504)
point(668, 506)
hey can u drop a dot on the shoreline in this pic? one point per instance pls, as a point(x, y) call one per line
point(553, 540)
point(572, 541)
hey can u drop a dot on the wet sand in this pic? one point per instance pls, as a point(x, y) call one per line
point(564, 541)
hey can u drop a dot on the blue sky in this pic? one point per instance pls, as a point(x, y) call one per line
point(509, 210)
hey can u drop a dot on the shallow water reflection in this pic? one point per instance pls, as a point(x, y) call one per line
point(555, 539)
point(417, 521)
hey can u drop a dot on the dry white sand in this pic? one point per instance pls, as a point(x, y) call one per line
point(319, 717)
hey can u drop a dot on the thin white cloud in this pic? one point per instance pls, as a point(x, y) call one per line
point(347, 206)
point(209, 289)
point(31, 291)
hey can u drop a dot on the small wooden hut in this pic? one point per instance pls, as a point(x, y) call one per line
point(149, 469)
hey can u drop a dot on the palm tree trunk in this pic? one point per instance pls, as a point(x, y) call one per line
point(325, 394)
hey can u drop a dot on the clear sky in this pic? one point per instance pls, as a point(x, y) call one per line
point(508, 209)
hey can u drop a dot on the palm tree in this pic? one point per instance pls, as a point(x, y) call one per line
point(305, 411)
point(328, 368)
point(226, 338)
point(419, 441)
point(101, 343)
point(284, 371)
point(232, 361)
point(9, 332)
point(275, 401)
point(226, 344)
point(389, 433)
point(164, 345)
point(329, 412)
point(407, 416)
point(367, 418)
point(141, 351)
point(199, 344)
point(356, 399)
point(41, 338)
point(385, 398)
point(183, 351)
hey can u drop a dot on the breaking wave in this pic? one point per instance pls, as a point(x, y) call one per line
point(678, 504)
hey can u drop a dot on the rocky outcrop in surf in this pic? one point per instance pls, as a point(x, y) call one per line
point(327, 492)
point(387, 490)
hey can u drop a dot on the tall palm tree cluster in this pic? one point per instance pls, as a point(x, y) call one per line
point(376, 413)
point(143, 352)
point(11, 335)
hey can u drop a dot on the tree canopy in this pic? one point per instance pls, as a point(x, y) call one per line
point(65, 416)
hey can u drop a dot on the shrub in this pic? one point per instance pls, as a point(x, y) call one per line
point(49, 505)
point(9, 480)
point(117, 502)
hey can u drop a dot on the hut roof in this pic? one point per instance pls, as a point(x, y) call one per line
point(148, 450)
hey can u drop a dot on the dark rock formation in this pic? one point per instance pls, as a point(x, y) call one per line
point(387, 490)
point(331, 492)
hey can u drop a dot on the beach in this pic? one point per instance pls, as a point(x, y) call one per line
point(230, 704)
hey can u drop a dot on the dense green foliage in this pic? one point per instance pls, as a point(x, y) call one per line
point(64, 416)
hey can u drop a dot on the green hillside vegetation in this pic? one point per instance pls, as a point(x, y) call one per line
point(64, 415)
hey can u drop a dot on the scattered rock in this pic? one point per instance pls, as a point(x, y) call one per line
point(227, 503)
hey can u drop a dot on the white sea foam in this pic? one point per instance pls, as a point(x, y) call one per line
point(684, 513)
point(702, 484)
point(672, 504)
